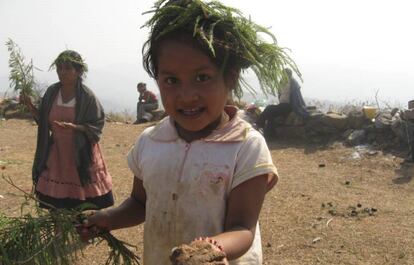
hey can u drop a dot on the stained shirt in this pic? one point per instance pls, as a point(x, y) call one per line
point(187, 184)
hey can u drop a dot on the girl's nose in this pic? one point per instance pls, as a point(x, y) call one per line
point(189, 92)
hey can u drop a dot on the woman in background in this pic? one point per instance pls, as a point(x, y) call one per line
point(68, 167)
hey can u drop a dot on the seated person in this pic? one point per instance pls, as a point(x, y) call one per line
point(147, 102)
point(290, 99)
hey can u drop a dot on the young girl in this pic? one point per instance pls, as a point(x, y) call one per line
point(69, 169)
point(202, 173)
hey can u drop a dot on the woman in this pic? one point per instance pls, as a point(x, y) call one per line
point(68, 167)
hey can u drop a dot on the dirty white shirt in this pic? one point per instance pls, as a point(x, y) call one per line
point(187, 184)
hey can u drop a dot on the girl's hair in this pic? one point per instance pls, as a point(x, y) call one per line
point(73, 58)
point(224, 34)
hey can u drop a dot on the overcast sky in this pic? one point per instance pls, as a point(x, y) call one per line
point(346, 50)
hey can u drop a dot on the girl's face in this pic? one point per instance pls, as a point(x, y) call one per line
point(193, 90)
point(67, 74)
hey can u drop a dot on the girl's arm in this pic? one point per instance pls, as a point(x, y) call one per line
point(243, 208)
point(130, 213)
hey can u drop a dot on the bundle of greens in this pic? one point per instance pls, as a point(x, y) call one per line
point(21, 73)
point(42, 237)
point(217, 26)
point(72, 57)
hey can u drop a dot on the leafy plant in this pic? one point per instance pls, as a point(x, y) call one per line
point(42, 237)
point(21, 73)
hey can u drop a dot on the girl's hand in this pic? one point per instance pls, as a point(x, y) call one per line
point(96, 222)
point(201, 251)
point(216, 248)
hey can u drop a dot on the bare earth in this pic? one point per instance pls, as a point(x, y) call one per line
point(328, 208)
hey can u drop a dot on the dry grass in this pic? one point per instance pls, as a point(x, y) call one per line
point(296, 228)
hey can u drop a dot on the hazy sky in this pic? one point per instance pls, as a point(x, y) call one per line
point(346, 50)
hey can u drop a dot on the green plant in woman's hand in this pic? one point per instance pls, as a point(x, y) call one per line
point(21, 73)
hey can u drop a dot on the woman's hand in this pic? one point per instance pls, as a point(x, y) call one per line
point(69, 125)
point(25, 99)
point(96, 222)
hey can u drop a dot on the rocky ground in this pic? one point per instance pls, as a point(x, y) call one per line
point(332, 205)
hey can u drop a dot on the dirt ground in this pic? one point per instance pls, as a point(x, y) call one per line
point(329, 207)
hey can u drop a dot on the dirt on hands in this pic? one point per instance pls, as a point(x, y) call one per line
point(197, 253)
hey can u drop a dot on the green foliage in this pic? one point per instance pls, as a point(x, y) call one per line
point(72, 57)
point(42, 237)
point(120, 253)
point(21, 73)
point(241, 37)
point(48, 238)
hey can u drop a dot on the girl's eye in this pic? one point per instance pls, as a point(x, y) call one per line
point(202, 78)
point(171, 80)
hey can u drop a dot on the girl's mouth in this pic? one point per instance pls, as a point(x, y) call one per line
point(191, 112)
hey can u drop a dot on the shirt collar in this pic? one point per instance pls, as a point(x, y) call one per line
point(233, 131)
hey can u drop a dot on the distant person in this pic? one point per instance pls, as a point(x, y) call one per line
point(147, 102)
point(69, 168)
point(290, 99)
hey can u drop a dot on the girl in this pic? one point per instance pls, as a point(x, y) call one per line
point(202, 173)
point(68, 168)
